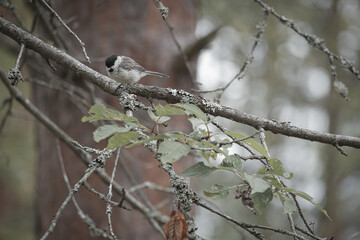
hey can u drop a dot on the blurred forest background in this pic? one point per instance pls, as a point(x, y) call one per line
point(288, 81)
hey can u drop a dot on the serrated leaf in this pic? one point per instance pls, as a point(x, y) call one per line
point(168, 110)
point(256, 184)
point(121, 139)
point(198, 170)
point(308, 198)
point(193, 109)
point(106, 131)
point(251, 142)
point(100, 112)
point(277, 166)
point(289, 206)
point(172, 151)
point(217, 192)
point(261, 200)
point(234, 161)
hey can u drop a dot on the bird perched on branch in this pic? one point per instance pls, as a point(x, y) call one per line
point(125, 70)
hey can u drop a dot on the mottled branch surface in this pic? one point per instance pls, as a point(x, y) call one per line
point(170, 95)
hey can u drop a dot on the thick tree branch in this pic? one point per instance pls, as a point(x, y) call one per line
point(170, 95)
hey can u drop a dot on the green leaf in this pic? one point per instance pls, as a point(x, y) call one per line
point(308, 198)
point(163, 119)
point(234, 161)
point(172, 151)
point(158, 119)
point(277, 166)
point(207, 144)
point(261, 200)
point(121, 139)
point(273, 181)
point(256, 184)
point(168, 110)
point(195, 122)
point(193, 109)
point(171, 135)
point(278, 169)
point(289, 206)
point(153, 117)
point(205, 154)
point(106, 131)
point(146, 140)
point(177, 135)
point(198, 170)
point(100, 112)
point(217, 192)
point(251, 142)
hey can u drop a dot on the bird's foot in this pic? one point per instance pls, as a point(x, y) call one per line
point(121, 88)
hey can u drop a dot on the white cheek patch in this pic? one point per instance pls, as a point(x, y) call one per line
point(124, 76)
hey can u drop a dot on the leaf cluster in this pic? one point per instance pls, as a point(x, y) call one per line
point(256, 191)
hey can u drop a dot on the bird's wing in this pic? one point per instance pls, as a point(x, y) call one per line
point(129, 64)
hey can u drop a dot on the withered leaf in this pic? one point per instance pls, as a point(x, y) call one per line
point(176, 228)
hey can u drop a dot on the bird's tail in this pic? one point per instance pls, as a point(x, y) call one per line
point(156, 74)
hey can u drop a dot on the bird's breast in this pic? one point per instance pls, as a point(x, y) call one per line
point(127, 77)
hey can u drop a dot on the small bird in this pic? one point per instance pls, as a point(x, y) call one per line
point(125, 70)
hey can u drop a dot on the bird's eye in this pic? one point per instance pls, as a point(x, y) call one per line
point(111, 70)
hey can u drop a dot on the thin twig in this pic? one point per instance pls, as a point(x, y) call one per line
point(312, 40)
point(292, 225)
point(100, 195)
point(309, 234)
point(14, 73)
point(9, 102)
point(48, 24)
point(73, 191)
point(19, 56)
point(131, 178)
point(109, 195)
point(183, 55)
point(82, 44)
point(249, 227)
point(249, 59)
point(164, 12)
point(8, 5)
point(85, 218)
point(151, 186)
point(263, 141)
point(240, 143)
point(301, 213)
point(244, 226)
point(63, 88)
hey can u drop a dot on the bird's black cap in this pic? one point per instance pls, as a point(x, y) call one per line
point(109, 62)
